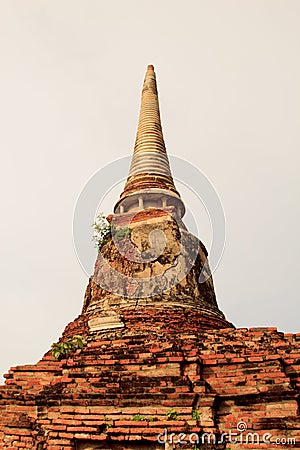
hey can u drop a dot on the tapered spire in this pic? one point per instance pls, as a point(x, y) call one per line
point(149, 183)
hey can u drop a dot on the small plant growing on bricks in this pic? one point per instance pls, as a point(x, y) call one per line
point(103, 231)
point(61, 350)
point(139, 418)
point(120, 233)
point(107, 423)
point(171, 414)
point(195, 415)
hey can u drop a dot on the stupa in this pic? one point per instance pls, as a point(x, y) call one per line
point(151, 362)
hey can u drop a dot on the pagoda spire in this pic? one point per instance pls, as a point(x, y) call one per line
point(149, 183)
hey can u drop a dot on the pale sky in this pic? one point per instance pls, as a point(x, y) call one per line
point(71, 75)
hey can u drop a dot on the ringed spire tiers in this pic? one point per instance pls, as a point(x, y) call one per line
point(150, 183)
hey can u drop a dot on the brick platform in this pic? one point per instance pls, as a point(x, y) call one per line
point(120, 387)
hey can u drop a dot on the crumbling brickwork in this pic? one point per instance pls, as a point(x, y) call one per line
point(121, 386)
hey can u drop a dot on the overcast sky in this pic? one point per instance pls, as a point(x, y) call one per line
point(71, 75)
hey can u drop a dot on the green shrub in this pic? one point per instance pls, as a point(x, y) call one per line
point(171, 414)
point(103, 231)
point(61, 350)
point(138, 418)
point(119, 233)
point(195, 415)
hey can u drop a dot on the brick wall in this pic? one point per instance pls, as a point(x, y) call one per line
point(121, 386)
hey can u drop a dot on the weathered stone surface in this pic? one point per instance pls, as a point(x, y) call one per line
point(164, 273)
